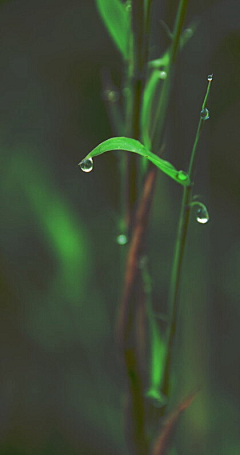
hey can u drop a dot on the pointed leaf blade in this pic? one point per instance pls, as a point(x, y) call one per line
point(134, 146)
point(117, 21)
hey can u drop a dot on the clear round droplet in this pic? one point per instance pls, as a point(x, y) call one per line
point(210, 77)
point(86, 165)
point(122, 239)
point(202, 215)
point(162, 75)
point(182, 176)
point(205, 114)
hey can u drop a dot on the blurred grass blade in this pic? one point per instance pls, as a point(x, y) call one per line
point(132, 145)
point(157, 343)
point(117, 21)
point(146, 116)
point(163, 442)
point(158, 353)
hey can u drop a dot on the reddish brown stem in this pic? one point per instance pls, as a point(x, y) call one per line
point(165, 438)
point(132, 267)
point(135, 418)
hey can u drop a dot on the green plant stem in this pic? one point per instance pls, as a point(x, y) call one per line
point(147, 29)
point(127, 317)
point(130, 305)
point(179, 253)
point(136, 82)
point(162, 108)
point(175, 281)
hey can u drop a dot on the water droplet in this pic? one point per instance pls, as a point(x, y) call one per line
point(182, 176)
point(162, 75)
point(86, 165)
point(122, 239)
point(202, 215)
point(110, 95)
point(210, 77)
point(204, 114)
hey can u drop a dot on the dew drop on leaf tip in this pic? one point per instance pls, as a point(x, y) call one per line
point(202, 216)
point(210, 77)
point(205, 114)
point(182, 175)
point(86, 165)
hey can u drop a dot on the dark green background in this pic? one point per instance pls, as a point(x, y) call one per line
point(61, 387)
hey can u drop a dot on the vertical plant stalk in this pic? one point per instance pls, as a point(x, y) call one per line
point(135, 251)
point(147, 28)
point(129, 304)
point(162, 108)
point(126, 318)
point(179, 251)
point(131, 314)
point(136, 82)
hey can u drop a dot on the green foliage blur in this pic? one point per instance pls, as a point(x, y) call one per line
point(62, 389)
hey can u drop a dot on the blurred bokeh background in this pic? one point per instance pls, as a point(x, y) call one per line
point(61, 385)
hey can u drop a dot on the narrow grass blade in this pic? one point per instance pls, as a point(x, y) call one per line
point(134, 146)
point(117, 21)
point(157, 343)
point(146, 114)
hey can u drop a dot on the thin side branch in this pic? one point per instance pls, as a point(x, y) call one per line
point(179, 251)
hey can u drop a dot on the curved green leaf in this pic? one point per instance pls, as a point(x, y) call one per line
point(132, 145)
point(117, 21)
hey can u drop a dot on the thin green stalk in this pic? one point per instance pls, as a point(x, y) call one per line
point(162, 108)
point(180, 247)
point(147, 30)
point(136, 66)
